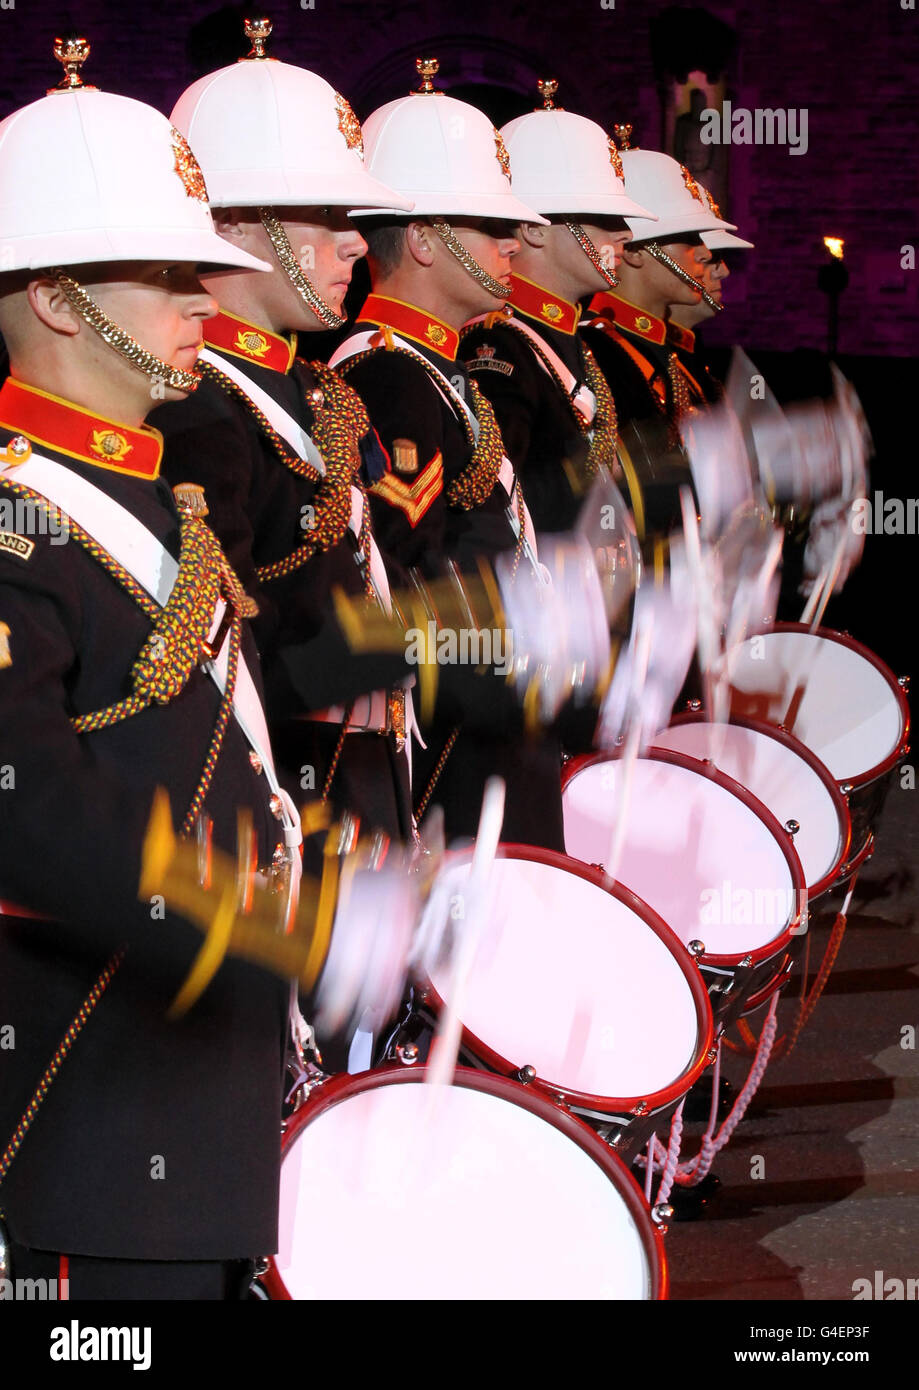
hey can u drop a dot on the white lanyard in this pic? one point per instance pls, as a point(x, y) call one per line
point(582, 398)
point(148, 561)
point(507, 477)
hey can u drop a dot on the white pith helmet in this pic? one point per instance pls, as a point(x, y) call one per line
point(669, 189)
point(722, 241)
point(443, 154)
point(87, 176)
point(563, 163)
point(269, 134)
point(725, 241)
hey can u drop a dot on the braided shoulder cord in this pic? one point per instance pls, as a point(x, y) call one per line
point(435, 775)
point(674, 399)
point(54, 1066)
point(180, 628)
point(339, 422)
point(195, 552)
point(475, 484)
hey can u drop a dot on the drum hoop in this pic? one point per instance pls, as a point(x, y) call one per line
point(794, 745)
point(567, 1095)
point(862, 779)
point(728, 784)
point(343, 1086)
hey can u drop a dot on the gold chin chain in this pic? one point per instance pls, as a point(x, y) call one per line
point(592, 254)
point(284, 252)
point(120, 340)
point(654, 250)
point(468, 261)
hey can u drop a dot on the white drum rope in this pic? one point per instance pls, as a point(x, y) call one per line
point(690, 1173)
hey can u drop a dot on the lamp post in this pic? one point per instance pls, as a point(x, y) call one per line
point(832, 279)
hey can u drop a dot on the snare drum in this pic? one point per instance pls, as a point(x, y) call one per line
point(482, 1189)
point(785, 776)
point(583, 991)
point(840, 700)
point(707, 856)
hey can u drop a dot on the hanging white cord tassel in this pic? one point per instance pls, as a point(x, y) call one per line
point(695, 1169)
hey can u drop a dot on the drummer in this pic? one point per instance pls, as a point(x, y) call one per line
point(140, 1152)
point(451, 494)
point(554, 407)
point(685, 319)
point(274, 439)
point(626, 328)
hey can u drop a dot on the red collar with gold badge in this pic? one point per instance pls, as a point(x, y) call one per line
point(69, 429)
point(240, 338)
point(630, 317)
point(411, 322)
point(544, 306)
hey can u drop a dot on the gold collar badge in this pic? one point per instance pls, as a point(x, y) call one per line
point(435, 334)
point(188, 168)
point(110, 446)
point(552, 312)
point(252, 343)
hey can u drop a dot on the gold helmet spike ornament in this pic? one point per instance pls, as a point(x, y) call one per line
point(71, 51)
point(547, 89)
point(427, 69)
point(258, 32)
point(623, 134)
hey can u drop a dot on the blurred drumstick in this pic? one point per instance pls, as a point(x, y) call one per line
point(715, 697)
point(375, 1163)
point(823, 588)
point(445, 1048)
point(707, 637)
point(746, 612)
point(633, 739)
point(813, 615)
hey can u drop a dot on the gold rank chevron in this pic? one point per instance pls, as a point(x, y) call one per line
point(415, 499)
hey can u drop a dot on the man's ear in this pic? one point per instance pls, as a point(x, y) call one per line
point(633, 256)
point(237, 225)
point(532, 233)
point(419, 238)
point(50, 305)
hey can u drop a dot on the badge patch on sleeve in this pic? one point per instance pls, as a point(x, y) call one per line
point(485, 361)
point(12, 544)
point(5, 657)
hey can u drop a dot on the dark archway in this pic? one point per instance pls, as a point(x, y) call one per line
point(488, 75)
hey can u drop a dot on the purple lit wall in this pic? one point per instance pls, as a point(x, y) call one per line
point(853, 67)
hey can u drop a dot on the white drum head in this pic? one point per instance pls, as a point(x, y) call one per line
point(556, 985)
point(784, 782)
point(695, 852)
point(415, 1192)
point(826, 693)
